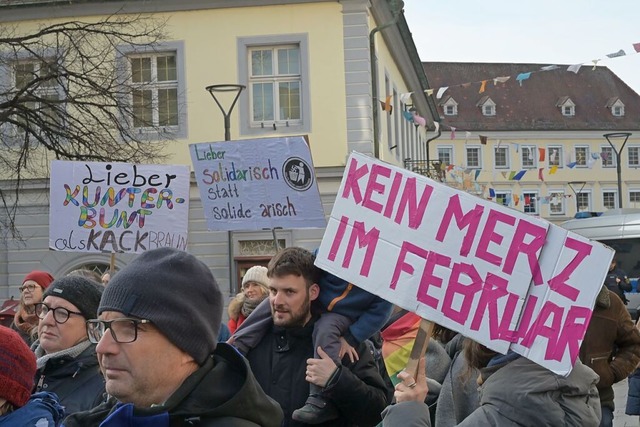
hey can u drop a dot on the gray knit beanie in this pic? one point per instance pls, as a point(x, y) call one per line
point(79, 291)
point(174, 290)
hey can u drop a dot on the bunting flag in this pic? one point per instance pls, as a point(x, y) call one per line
point(504, 175)
point(516, 199)
point(549, 68)
point(604, 156)
point(405, 97)
point(540, 176)
point(574, 68)
point(467, 134)
point(595, 64)
point(522, 77)
point(429, 92)
point(503, 79)
point(408, 116)
point(621, 52)
point(483, 139)
point(453, 132)
point(419, 120)
point(492, 193)
point(590, 163)
point(386, 105)
point(541, 154)
point(511, 175)
point(441, 91)
point(519, 175)
point(437, 126)
point(636, 47)
point(572, 165)
point(553, 169)
point(483, 86)
point(398, 339)
point(516, 146)
point(477, 174)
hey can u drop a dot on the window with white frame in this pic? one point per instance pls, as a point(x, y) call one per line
point(617, 109)
point(450, 107)
point(445, 155)
point(634, 198)
point(567, 106)
point(530, 202)
point(528, 156)
point(554, 155)
point(474, 157)
point(582, 155)
point(38, 78)
point(610, 198)
point(275, 70)
point(633, 154)
point(501, 157)
point(154, 93)
point(556, 203)
point(568, 110)
point(274, 84)
point(488, 110)
point(608, 156)
point(583, 201)
point(503, 197)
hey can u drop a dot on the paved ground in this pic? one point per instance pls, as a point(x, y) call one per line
point(619, 417)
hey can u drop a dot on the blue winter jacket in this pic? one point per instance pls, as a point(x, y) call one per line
point(633, 395)
point(42, 410)
point(368, 312)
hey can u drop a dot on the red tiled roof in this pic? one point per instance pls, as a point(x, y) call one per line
point(532, 106)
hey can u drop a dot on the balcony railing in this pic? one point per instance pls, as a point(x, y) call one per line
point(431, 169)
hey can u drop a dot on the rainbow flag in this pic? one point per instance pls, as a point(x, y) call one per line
point(398, 339)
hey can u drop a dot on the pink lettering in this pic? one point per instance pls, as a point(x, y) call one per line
point(362, 239)
point(409, 200)
point(572, 333)
point(429, 279)
point(471, 219)
point(374, 185)
point(351, 185)
point(489, 235)
point(467, 291)
point(402, 265)
point(559, 283)
point(337, 240)
point(495, 287)
point(539, 328)
point(531, 249)
point(393, 195)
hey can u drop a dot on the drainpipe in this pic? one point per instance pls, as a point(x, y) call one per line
point(396, 8)
point(428, 141)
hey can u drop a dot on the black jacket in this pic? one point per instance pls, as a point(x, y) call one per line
point(77, 381)
point(279, 363)
point(223, 392)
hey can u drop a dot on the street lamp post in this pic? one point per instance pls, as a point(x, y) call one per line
point(223, 88)
point(617, 136)
point(577, 193)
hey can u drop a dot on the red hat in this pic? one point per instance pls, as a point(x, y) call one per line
point(17, 368)
point(42, 278)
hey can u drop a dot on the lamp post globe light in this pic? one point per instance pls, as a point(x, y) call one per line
point(611, 138)
point(215, 90)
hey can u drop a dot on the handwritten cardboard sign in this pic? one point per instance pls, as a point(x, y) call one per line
point(257, 184)
point(117, 207)
point(496, 275)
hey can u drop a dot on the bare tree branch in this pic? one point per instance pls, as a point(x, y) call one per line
point(76, 104)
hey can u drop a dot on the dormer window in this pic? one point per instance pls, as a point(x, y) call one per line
point(487, 106)
point(450, 107)
point(567, 107)
point(616, 106)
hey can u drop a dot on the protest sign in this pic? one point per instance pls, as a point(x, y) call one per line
point(257, 184)
point(496, 275)
point(117, 207)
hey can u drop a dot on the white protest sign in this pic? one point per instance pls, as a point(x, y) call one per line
point(257, 184)
point(117, 207)
point(496, 275)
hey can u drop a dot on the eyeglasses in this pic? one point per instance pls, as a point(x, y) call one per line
point(60, 314)
point(122, 330)
point(30, 287)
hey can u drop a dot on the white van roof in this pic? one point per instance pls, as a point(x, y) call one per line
point(613, 224)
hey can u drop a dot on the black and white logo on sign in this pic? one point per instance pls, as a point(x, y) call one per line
point(297, 173)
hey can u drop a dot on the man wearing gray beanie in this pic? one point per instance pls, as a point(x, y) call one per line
point(156, 331)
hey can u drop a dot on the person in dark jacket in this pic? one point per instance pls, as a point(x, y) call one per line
point(157, 331)
point(283, 360)
point(18, 407)
point(611, 347)
point(66, 359)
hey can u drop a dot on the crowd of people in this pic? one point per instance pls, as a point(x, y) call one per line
point(147, 346)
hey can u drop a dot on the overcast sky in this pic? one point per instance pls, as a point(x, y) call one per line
point(540, 31)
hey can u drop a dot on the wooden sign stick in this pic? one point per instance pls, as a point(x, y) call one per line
point(419, 347)
point(112, 263)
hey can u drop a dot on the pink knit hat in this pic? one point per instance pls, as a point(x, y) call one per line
point(17, 368)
